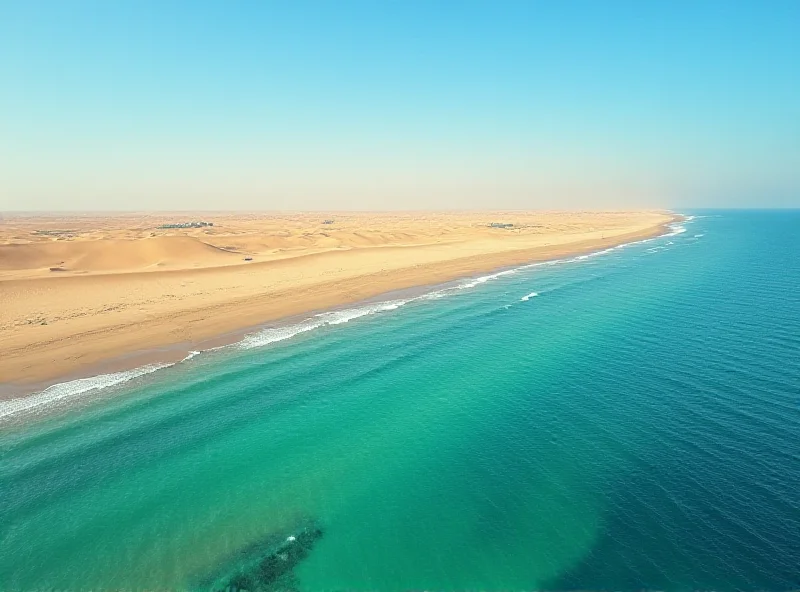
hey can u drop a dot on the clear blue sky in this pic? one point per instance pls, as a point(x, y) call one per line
point(331, 105)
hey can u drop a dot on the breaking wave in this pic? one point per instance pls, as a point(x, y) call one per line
point(73, 389)
point(337, 317)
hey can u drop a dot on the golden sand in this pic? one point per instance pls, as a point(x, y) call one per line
point(76, 290)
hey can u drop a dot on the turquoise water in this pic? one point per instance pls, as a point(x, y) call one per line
point(634, 424)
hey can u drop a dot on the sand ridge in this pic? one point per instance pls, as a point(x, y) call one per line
point(79, 289)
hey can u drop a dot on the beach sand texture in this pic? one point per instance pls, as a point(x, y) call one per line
point(78, 290)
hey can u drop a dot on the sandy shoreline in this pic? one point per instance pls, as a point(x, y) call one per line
point(124, 320)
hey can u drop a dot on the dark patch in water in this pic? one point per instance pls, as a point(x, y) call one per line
point(265, 566)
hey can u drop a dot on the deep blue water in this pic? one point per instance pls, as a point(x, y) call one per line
point(635, 424)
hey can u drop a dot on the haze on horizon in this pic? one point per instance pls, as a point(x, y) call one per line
point(413, 105)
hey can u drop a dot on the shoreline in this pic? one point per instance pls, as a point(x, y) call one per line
point(248, 317)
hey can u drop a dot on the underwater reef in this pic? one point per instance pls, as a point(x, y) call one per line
point(266, 565)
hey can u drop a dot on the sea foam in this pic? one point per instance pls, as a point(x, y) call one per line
point(336, 317)
point(73, 389)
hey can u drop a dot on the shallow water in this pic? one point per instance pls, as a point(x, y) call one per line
point(623, 421)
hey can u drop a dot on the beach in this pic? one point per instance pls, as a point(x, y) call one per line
point(89, 291)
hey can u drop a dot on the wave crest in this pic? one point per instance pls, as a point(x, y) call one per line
point(72, 389)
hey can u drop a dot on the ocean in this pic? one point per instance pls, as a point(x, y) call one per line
point(623, 421)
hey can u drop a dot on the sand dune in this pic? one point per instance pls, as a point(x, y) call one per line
point(114, 255)
point(138, 242)
point(125, 284)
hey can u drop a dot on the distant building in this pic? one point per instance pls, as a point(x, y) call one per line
point(327, 221)
point(500, 225)
point(187, 225)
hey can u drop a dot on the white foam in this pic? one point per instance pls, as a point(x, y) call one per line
point(190, 355)
point(344, 316)
point(336, 317)
point(679, 228)
point(73, 389)
point(483, 279)
point(676, 229)
point(466, 285)
point(604, 251)
point(275, 334)
point(435, 295)
point(529, 296)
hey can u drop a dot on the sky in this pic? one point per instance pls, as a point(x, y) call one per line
point(295, 105)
